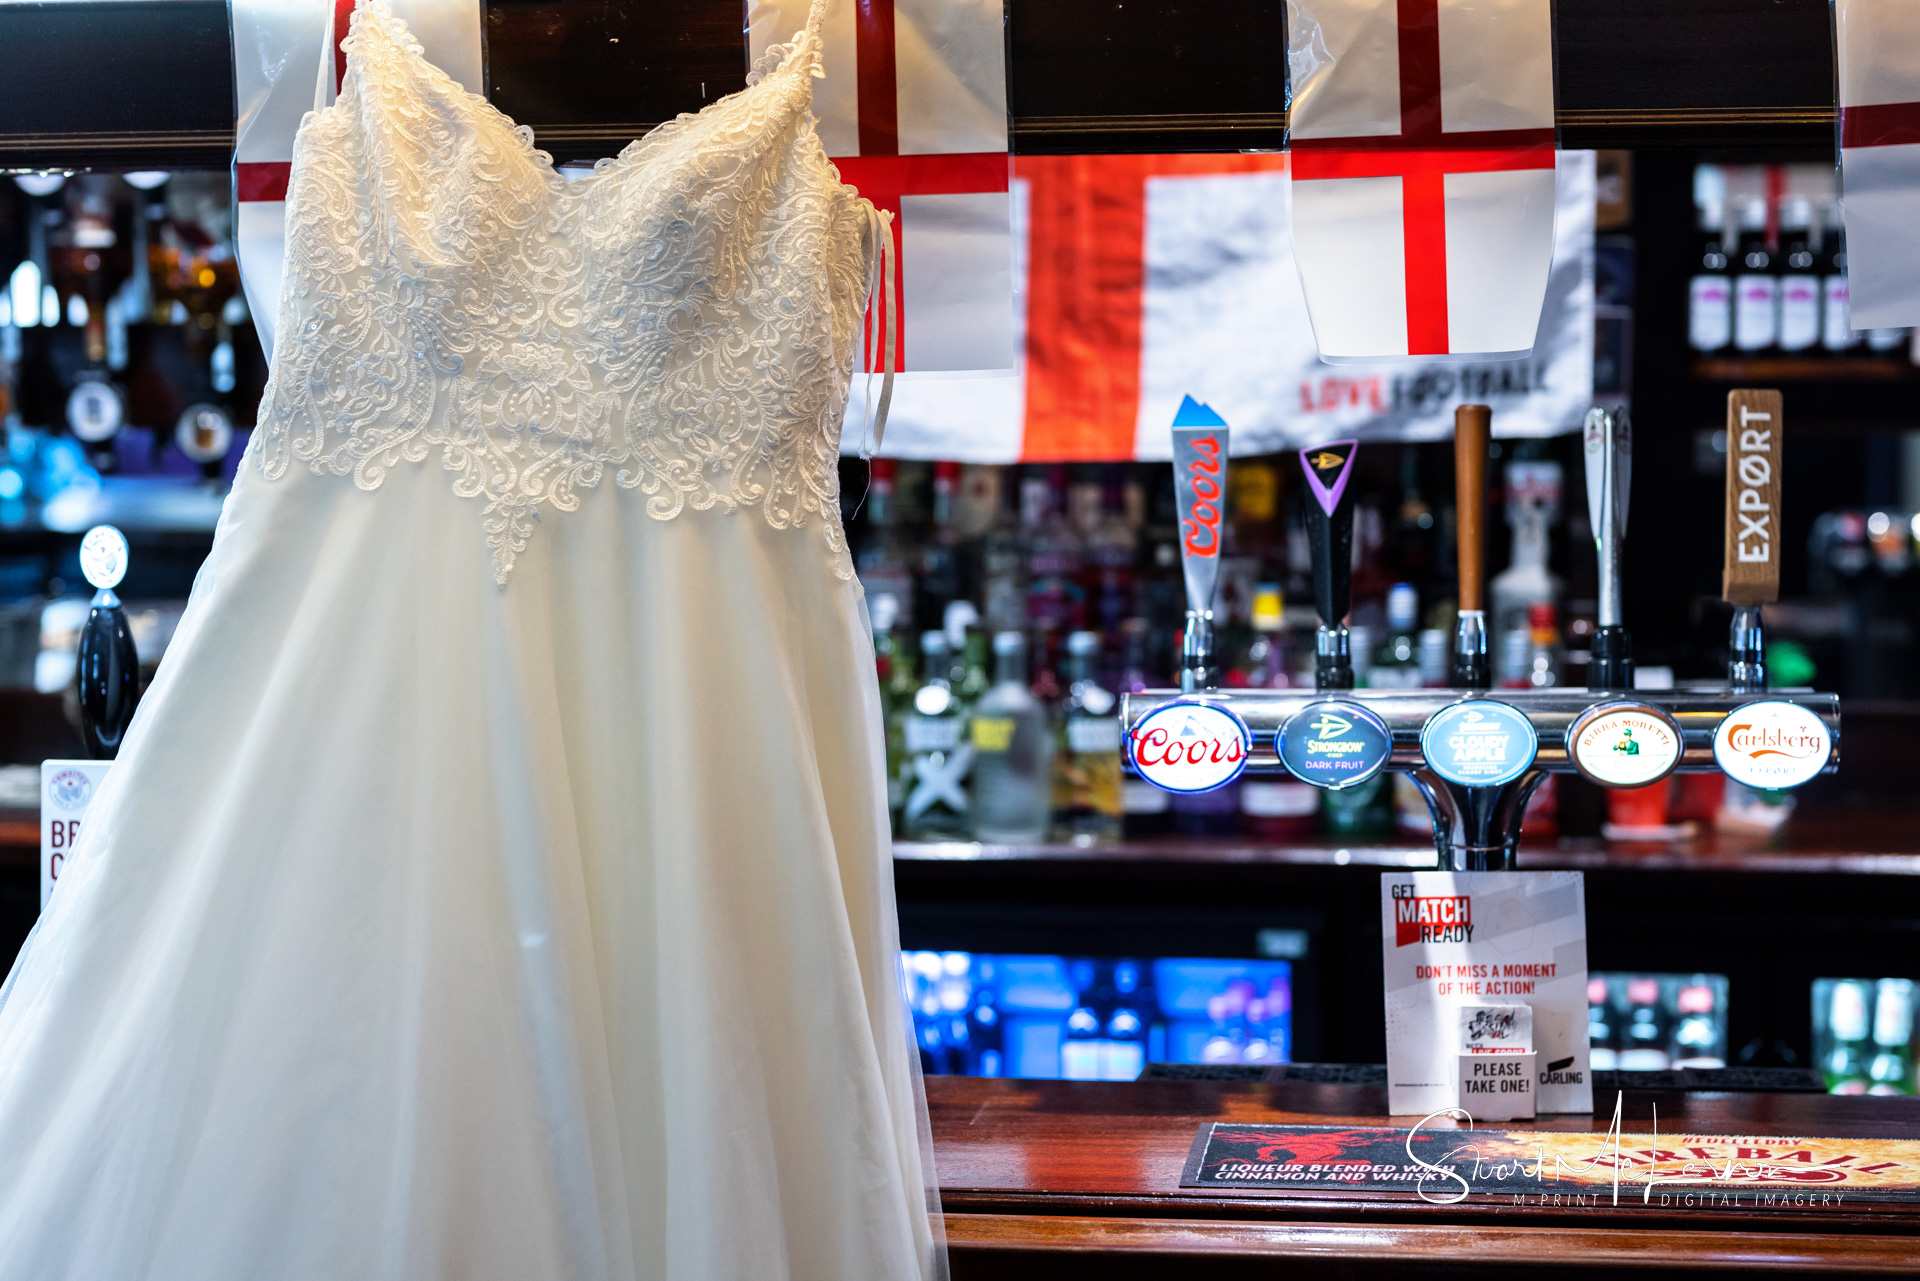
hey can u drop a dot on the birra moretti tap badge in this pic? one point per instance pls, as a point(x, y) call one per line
point(1187, 746)
point(1625, 744)
point(1479, 743)
point(1334, 744)
point(1771, 744)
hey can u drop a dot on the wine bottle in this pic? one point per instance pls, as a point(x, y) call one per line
point(1710, 292)
point(1756, 287)
point(1800, 301)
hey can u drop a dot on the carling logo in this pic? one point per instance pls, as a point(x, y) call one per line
point(1433, 918)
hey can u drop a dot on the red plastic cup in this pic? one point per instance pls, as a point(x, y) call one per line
point(1639, 807)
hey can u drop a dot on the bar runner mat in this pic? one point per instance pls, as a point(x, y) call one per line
point(1769, 1080)
point(1747, 1171)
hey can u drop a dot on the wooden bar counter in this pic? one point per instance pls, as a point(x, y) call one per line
point(1064, 1179)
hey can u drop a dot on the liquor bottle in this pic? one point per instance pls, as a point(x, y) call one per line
point(967, 651)
point(980, 498)
point(1278, 809)
point(1086, 762)
point(1603, 1038)
point(881, 561)
point(1699, 1035)
point(1263, 665)
point(1054, 595)
point(1396, 663)
point(1533, 500)
point(1892, 1067)
point(1515, 655)
point(1410, 812)
point(1800, 293)
point(985, 1034)
point(1013, 753)
point(1215, 813)
point(1085, 500)
point(1353, 813)
point(1836, 321)
point(1756, 289)
point(938, 755)
point(1643, 1042)
point(896, 692)
point(1846, 1063)
point(1253, 505)
point(1126, 1048)
point(1710, 292)
point(1219, 1047)
point(954, 991)
point(1436, 657)
point(1146, 810)
point(1113, 549)
point(1280, 1019)
point(1413, 539)
point(1003, 561)
point(1080, 1051)
point(1360, 637)
point(940, 554)
point(1543, 657)
point(1370, 579)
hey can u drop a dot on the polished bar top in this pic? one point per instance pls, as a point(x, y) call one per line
point(1860, 842)
point(1040, 1177)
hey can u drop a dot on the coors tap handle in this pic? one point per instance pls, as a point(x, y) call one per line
point(1472, 435)
point(1609, 450)
point(1751, 576)
point(1330, 536)
point(1199, 483)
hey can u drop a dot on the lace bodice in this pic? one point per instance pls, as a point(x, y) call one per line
point(683, 319)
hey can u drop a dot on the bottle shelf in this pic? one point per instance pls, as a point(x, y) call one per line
point(1780, 369)
point(1869, 845)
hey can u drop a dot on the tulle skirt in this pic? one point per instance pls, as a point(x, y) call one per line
point(427, 929)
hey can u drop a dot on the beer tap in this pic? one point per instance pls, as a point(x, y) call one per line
point(1477, 758)
point(1472, 437)
point(1330, 536)
point(1199, 481)
point(1609, 451)
point(107, 666)
point(1750, 576)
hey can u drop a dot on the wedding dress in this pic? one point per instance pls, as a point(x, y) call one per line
point(495, 883)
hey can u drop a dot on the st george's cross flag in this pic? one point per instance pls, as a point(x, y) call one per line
point(913, 112)
point(281, 71)
point(1142, 279)
point(1421, 135)
point(1877, 43)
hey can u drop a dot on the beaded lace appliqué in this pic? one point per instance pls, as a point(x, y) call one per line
point(684, 318)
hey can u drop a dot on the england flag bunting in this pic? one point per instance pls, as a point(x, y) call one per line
point(1422, 139)
point(1142, 279)
point(913, 112)
point(1878, 46)
point(278, 77)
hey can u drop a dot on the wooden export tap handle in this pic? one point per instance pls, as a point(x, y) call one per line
point(1751, 575)
point(1472, 434)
